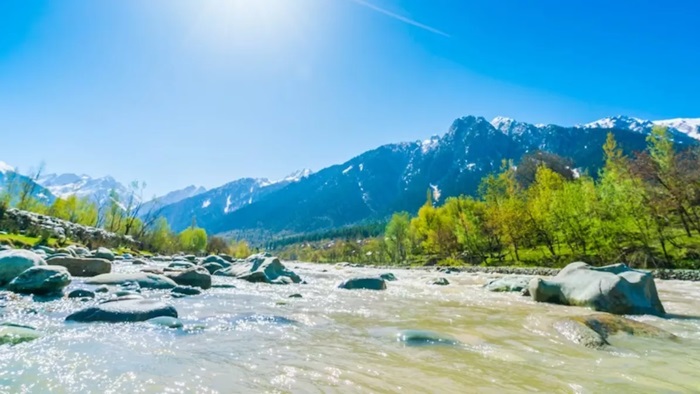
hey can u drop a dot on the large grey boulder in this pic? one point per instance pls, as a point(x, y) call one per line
point(261, 270)
point(145, 280)
point(44, 279)
point(14, 262)
point(615, 288)
point(195, 277)
point(83, 266)
point(369, 283)
point(123, 310)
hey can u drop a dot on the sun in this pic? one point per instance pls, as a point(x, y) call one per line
point(225, 24)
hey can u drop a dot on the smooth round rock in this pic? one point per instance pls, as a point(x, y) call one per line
point(14, 262)
point(12, 334)
point(425, 338)
point(185, 290)
point(83, 266)
point(123, 310)
point(166, 321)
point(145, 280)
point(441, 282)
point(388, 276)
point(369, 283)
point(81, 293)
point(46, 279)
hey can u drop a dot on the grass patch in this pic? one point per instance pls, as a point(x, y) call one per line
point(24, 241)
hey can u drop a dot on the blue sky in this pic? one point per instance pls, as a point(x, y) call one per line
point(179, 92)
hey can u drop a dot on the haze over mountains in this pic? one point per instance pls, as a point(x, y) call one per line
point(376, 183)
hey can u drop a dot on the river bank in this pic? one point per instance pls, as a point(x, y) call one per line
point(665, 274)
point(312, 336)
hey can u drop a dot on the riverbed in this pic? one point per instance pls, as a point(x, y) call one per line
point(255, 338)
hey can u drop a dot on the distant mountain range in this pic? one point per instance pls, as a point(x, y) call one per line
point(379, 182)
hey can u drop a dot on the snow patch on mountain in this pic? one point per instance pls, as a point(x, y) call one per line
point(620, 122)
point(206, 203)
point(4, 167)
point(228, 209)
point(430, 144)
point(345, 171)
point(690, 127)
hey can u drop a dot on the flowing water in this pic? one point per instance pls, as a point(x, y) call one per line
point(254, 338)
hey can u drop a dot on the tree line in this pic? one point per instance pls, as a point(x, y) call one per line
point(643, 209)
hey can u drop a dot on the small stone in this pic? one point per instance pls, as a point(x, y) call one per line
point(441, 282)
point(166, 321)
point(368, 283)
point(185, 290)
point(81, 293)
point(295, 296)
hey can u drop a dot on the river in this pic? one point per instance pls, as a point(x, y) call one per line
point(254, 338)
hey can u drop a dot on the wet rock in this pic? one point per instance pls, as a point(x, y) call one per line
point(388, 276)
point(509, 283)
point(146, 281)
point(81, 293)
point(441, 282)
point(368, 283)
point(594, 330)
point(186, 290)
point(12, 334)
point(139, 262)
point(216, 259)
point(104, 253)
point(195, 277)
point(295, 295)
point(166, 321)
point(616, 289)
point(212, 267)
point(45, 249)
point(123, 310)
point(259, 270)
point(41, 280)
point(125, 293)
point(425, 338)
point(181, 265)
point(14, 262)
point(102, 289)
point(223, 286)
point(83, 266)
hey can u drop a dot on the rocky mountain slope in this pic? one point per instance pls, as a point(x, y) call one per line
point(208, 208)
point(396, 177)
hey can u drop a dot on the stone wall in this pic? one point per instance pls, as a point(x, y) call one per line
point(27, 222)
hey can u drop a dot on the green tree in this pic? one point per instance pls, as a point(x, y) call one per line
point(397, 236)
point(193, 240)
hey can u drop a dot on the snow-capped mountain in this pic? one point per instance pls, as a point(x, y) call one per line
point(396, 177)
point(686, 126)
point(9, 174)
point(209, 207)
point(97, 189)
